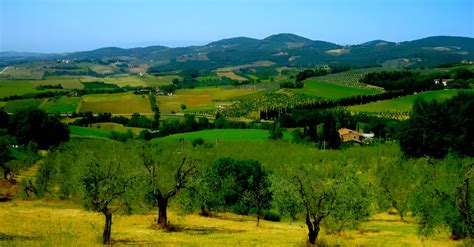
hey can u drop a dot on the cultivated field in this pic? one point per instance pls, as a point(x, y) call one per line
point(33, 72)
point(134, 81)
point(245, 66)
point(199, 98)
point(16, 87)
point(331, 90)
point(64, 223)
point(405, 103)
point(349, 78)
point(120, 81)
point(231, 75)
point(154, 81)
point(18, 105)
point(121, 103)
point(102, 69)
point(68, 82)
point(61, 105)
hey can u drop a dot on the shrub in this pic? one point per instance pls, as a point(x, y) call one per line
point(197, 142)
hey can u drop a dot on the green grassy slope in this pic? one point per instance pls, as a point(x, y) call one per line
point(404, 103)
point(331, 91)
point(224, 134)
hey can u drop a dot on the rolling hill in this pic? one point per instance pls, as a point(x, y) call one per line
point(283, 50)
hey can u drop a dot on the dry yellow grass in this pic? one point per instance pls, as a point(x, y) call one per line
point(120, 103)
point(231, 75)
point(199, 98)
point(59, 223)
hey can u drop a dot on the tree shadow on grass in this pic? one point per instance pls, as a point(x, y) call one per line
point(196, 230)
point(225, 217)
point(15, 237)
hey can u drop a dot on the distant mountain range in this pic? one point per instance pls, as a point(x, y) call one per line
point(281, 49)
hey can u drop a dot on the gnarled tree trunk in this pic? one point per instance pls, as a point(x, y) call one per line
point(6, 171)
point(313, 230)
point(162, 214)
point(108, 226)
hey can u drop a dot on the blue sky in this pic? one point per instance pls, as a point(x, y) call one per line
point(74, 25)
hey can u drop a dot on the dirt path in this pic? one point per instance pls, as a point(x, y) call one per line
point(5, 69)
point(9, 189)
point(28, 173)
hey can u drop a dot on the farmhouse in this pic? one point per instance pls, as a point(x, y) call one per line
point(348, 135)
point(442, 81)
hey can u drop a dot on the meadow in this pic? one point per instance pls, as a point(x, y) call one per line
point(54, 223)
point(331, 90)
point(120, 103)
point(18, 105)
point(61, 105)
point(216, 135)
point(116, 127)
point(16, 87)
point(77, 131)
point(404, 104)
point(67, 82)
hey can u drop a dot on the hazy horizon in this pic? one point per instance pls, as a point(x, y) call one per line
point(53, 26)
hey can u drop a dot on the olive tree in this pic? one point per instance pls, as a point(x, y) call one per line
point(106, 174)
point(167, 173)
point(104, 182)
point(332, 194)
point(395, 181)
point(443, 197)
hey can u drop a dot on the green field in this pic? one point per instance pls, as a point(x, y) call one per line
point(116, 127)
point(154, 81)
point(68, 82)
point(208, 78)
point(121, 103)
point(330, 90)
point(89, 132)
point(21, 87)
point(225, 135)
point(23, 104)
point(61, 105)
point(121, 81)
point(404, 103)
point(16, 87)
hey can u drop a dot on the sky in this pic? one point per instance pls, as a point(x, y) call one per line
point(76, 25)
